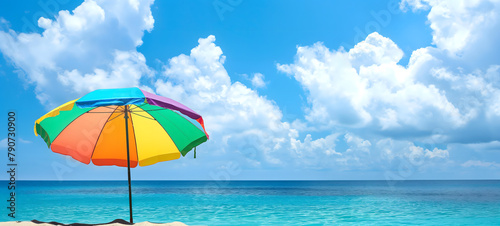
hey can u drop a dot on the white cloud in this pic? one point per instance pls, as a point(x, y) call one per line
point(452, 88)
point(437, 153)
point(414, 4)
point(236, 117)
point(374, 50)
point(357, 143)
point(317, 153)
point(477, 163)
point(79, 51)
point(258, 80)
point(243, 124)
point(332, 85)
point(465, 29)
point(124, 71)
point(382, 95)
point(418, 155)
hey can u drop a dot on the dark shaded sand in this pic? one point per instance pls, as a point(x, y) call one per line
point(117, 222)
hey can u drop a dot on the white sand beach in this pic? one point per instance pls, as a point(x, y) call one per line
point(145, 223)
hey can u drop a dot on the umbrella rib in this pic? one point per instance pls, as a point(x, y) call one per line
point(68, 125)
point(142, 110)
point(109, 120)
point(95, 145)
point(166, 130)
point(136, 106)
point(178, 113)
point(156, 109)
point(188, 120)
point(107, 112)
point(143, 116)
point(135, 139)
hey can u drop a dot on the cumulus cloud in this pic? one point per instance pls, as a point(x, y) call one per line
point(312, 69)
point(125, 70)
point(318, 153)
point(467, 30)
point(244, 125)
point(437, 153)
point(446, 93)
point(374, 50)
point(365, 87)
point(236, 116)
point(79, 51)
point(357, 143)
point(440, 89)
point(420, 152)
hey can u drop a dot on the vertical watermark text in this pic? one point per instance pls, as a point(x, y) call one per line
point(11, 163)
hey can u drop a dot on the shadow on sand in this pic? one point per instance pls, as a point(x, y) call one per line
point(117, 221)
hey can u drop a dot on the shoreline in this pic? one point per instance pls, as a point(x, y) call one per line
point(117, 222)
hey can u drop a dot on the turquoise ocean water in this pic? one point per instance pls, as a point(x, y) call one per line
point(261, 202)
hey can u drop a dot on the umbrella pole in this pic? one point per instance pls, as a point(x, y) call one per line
point(128, 165)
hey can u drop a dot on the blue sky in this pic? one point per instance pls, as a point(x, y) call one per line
point(289, 90)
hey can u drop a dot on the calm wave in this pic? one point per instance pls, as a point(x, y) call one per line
point(262, 202)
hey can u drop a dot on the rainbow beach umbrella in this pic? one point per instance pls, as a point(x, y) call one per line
point(122, 127)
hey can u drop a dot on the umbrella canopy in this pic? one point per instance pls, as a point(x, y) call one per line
point(89, 129)
point(122, 127)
